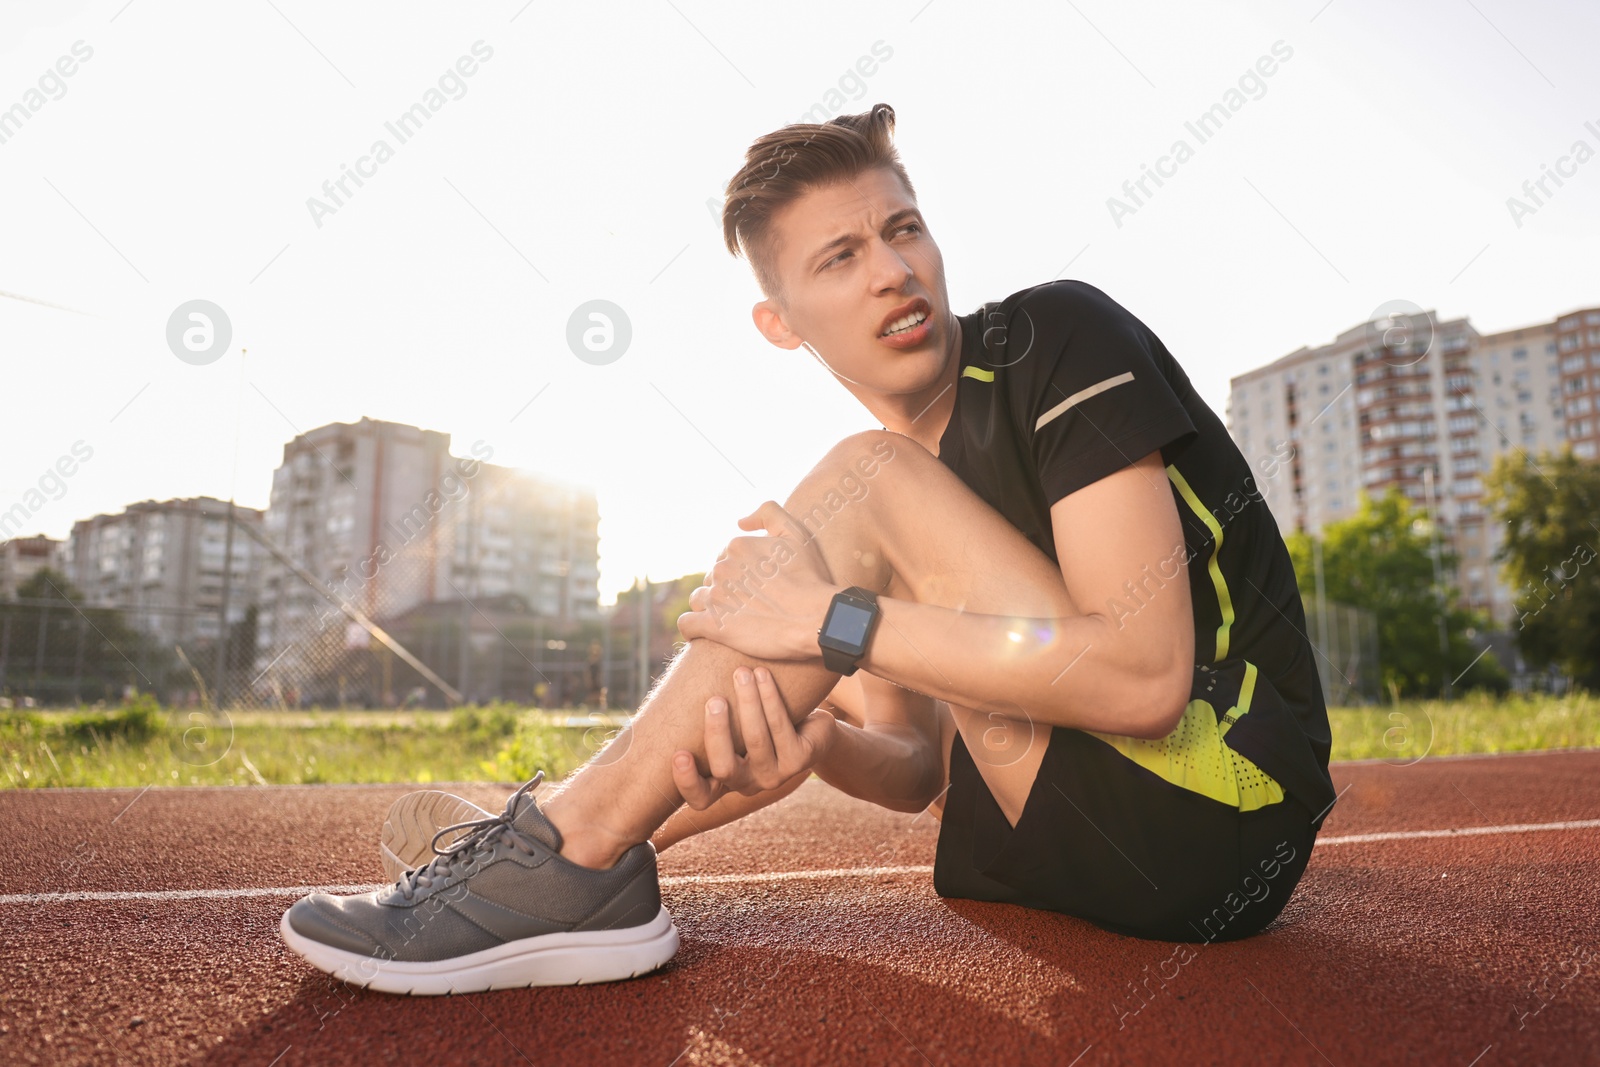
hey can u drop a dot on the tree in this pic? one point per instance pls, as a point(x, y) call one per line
point(1380, 559)
point(240, 656)
point(1550, 507)
point(59, 652)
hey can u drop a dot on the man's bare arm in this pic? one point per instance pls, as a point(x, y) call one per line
point(889, 755)
point(686, 822)
point(884, 749)
point(1110, 671)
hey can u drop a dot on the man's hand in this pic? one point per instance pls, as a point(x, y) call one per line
point(775, 751)
point(766, 595)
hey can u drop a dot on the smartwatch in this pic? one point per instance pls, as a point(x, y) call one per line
point(847, 629)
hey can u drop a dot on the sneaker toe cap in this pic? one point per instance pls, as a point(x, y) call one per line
point(323, 918)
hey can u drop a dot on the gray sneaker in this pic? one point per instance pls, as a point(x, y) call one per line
point(499, 908)
point(414, 824)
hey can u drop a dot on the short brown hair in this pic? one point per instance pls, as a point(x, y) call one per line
point(784, 165)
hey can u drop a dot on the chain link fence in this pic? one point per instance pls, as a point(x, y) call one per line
point(311, 644)
point(65, 653)
point(1346, 643)
point(58, 652)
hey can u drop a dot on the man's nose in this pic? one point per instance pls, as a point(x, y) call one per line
point(889, 269)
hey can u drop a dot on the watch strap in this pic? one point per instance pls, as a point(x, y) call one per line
point(840, 662)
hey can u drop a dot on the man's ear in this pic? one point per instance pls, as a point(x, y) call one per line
point(769, 320)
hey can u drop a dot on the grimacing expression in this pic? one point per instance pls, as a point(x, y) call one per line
point(852, 257)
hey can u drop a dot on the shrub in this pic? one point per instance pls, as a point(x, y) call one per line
point(488, 723)
point(135, 722)
point(532, 748)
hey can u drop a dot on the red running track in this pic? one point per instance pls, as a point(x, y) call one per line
point(1476, 948)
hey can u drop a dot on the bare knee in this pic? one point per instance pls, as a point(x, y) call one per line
point(870, 454)
point(851, 467)
point(853, 478)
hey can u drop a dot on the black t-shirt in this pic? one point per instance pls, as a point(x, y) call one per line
point(1060, 386)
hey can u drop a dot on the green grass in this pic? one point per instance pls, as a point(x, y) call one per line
point(146, 745)
point(1475, 724)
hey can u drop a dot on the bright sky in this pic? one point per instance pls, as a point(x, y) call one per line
point(175, 163)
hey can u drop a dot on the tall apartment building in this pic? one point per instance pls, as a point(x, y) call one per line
point(387, 519)
point(23, 557)
point(163, 562)
point(1578, 346)
point(1380, 406)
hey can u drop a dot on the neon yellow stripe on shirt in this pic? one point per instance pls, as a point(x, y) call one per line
point(1224, 601)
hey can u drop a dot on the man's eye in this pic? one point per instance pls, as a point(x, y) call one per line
point(835, 259)
point(914, 227)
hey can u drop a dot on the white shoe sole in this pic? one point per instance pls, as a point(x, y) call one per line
point(408, 829)
point(577, 958)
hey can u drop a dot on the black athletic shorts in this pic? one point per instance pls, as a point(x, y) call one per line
point(1106, 840)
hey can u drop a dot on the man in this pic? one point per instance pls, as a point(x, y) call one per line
point(1046, 597)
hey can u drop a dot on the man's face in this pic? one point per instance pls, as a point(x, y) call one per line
point(855, 260)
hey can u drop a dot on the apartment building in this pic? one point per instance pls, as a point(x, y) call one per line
point(386, 519)
point(23, 557)
point(1578, 349)
point(163, 563)
point(1422, 406)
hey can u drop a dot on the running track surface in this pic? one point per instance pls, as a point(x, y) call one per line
point(1477, 948)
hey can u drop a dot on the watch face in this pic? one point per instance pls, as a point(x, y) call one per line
point(848, 624)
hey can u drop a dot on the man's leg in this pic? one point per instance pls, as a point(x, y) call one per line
point(911, 529)
point(845, 703)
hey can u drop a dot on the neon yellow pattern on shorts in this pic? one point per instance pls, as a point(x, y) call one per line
point(1195, 757)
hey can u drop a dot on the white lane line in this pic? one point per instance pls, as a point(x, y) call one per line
point(1468, 831)
point(790, 876)
point(302, 890)
point(732, 879)
point(181, 894)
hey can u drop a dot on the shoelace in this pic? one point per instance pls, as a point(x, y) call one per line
point(479, 840)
